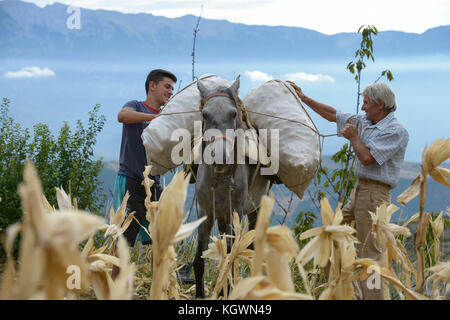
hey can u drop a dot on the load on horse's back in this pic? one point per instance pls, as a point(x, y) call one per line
point(289, 153)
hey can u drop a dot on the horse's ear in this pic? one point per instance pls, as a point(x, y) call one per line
point(235, 86)
point(201, 87)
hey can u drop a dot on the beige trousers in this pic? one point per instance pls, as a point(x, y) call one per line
point(367, 196)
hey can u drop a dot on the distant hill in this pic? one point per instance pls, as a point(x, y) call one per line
point(28, 31)
point(438, 196)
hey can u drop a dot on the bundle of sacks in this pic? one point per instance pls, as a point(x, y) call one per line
point(158, 136)
point(293, 148)
point(299, 144)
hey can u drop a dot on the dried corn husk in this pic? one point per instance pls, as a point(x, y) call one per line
point(166, 230)
point(277, 247)
point(99, 267)
point(281, 248)
point(8, 290)
point(239, 252)
point(150, 206)
point(119, 221)
point(122, 287)
point(49, 244)
point(438, 152)
point(261, 288)
point(441, 272)
point(320, 248)
point(387, 275)
point(64, 200)
point(262, 224)
point(432, 157)
point(385, 233)
point(437, 227)
point(344, 289)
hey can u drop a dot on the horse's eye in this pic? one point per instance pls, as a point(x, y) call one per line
point(205, 115)
point(234, 114)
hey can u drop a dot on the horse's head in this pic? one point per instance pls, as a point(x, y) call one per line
point(220, 120)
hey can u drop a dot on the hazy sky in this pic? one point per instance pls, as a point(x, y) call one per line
point(326, 16)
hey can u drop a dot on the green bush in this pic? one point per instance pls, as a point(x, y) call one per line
point(66, 161)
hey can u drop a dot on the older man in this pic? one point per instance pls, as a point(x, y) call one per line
point(380, 150)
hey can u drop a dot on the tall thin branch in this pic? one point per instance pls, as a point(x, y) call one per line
point(196, 30)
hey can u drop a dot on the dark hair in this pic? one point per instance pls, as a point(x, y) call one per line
point(157, 75)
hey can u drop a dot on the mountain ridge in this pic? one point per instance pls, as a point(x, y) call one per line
point(29, 31)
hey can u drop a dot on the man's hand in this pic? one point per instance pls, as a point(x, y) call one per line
point(349, 132)
point(297, 89)
point(361, 150)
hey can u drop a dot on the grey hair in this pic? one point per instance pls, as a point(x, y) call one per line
point(381, 91)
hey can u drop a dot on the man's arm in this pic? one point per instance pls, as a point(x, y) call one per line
point(129, 116)
point(325, 111)
point(361, 150)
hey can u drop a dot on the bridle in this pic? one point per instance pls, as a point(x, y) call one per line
point(222, 135)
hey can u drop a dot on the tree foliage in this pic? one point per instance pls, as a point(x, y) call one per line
point(65, 161)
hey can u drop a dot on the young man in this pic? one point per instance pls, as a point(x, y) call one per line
point(380, 151)
point(135, 116)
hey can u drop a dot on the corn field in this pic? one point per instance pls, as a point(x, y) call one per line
point(67, 253)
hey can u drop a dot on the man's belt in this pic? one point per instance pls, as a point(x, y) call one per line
point(370, 181)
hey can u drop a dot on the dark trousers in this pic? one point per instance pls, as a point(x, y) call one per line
point(136, 203)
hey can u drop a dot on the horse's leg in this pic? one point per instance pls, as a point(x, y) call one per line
point(225, 228)
point(252, 217)
point(199, 263)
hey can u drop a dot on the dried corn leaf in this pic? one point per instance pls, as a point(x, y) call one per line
point(441, 272)
point(385, 233)
point(320, 248)
point(437, 226)
point(64, 201)
point(8, 291)
point(386, 274)
point(187, 229)
point(166, 229)
point(260, 288)
point(281, 247)
point(262, 224)
point(122, 287)
point(432, 157)
point(49, 242)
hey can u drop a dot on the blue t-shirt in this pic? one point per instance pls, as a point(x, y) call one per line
point(132, 152)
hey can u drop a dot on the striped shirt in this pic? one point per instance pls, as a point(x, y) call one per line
point(387, 141)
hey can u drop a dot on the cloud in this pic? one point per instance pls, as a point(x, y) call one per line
point(308, 77)
point(30, 72)
point(258, 75)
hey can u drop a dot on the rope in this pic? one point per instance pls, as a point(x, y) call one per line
point(173, 113)
point(190, 84)
point(214, 209)
point(231, 211)
point(290, 120)
point(240, 106)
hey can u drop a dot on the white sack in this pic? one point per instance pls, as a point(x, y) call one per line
point(156, 137)
point(299, 147)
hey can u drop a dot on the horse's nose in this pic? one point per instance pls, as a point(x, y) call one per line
point(222, 151)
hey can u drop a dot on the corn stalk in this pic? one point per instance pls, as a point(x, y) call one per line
point(432, 157)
